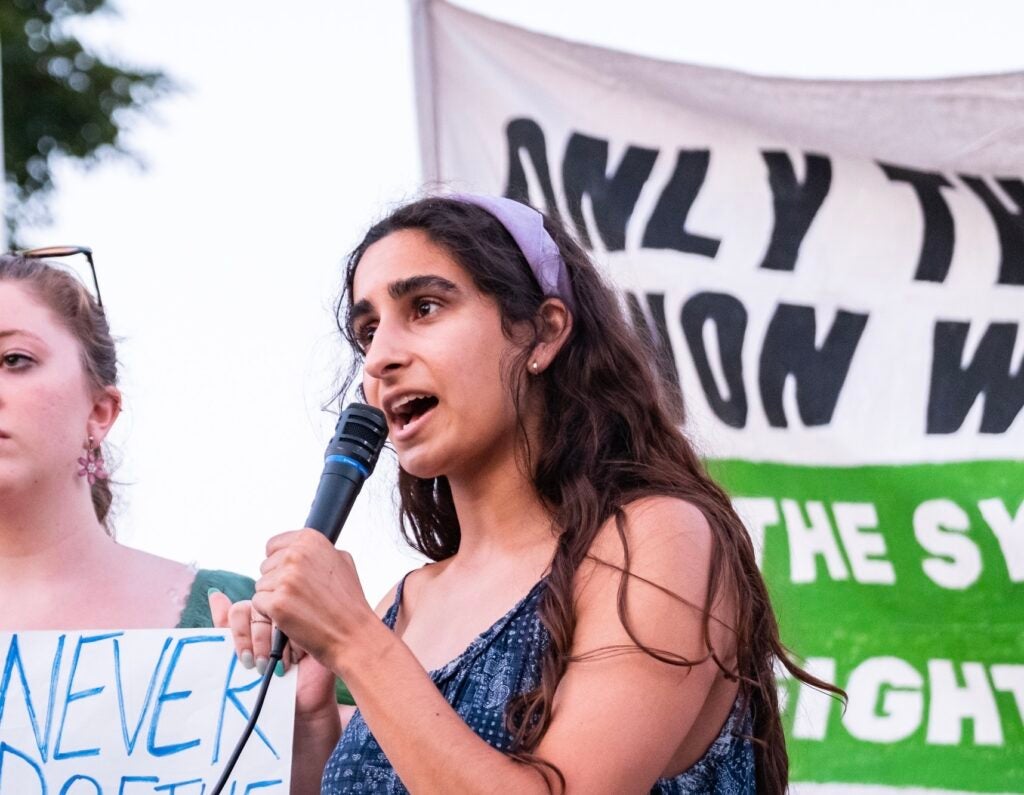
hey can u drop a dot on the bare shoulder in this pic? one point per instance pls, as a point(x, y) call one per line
point(665, 544)
point(149, 590)
point(667, 539)
point(414, 581)
point(145, 566)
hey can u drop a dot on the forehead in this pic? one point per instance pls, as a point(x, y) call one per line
point(20, 308)
point(408, 252)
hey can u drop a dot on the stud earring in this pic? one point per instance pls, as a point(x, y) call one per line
point(535, 367)
point(91, 465)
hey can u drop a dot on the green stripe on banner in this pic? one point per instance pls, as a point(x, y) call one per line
point(905, 586)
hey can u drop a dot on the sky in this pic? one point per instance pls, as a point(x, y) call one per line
point(292, 130)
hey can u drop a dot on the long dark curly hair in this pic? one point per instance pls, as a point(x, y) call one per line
point(610, 434)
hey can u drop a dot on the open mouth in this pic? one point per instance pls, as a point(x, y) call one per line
point(411, 408)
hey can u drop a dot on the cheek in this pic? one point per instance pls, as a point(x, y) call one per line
point(45, 446)
point(59, 420)
point(60, 412)
point(483, 387)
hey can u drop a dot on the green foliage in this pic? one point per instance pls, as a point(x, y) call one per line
point(59, 99)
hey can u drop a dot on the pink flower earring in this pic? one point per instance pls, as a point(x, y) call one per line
point(92, 465)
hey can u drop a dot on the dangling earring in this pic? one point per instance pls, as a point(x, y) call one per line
point(92, 465)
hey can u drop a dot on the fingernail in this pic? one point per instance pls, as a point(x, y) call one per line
point(211, 591)
point(261, 665)
point(279, 668)
point(246, 660)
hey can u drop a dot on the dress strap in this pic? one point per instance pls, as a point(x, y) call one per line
point(391, 616)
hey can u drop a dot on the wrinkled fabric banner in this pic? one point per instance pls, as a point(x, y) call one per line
point(834, 272)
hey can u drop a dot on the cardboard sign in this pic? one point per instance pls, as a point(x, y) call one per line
point(136, 712)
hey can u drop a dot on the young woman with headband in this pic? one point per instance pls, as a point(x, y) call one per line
point(594, 620)
point(60, 567)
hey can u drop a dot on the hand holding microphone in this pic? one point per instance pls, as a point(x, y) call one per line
point(308, 587)
point(301, 563)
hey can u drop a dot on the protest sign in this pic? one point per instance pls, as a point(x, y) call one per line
point(135, 712)
point(832, 273)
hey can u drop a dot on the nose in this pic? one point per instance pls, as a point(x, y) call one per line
point(387, 354)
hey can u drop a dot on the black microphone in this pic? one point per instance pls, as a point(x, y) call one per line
point(350, 458)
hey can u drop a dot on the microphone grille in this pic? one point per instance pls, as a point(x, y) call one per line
point(361, 432)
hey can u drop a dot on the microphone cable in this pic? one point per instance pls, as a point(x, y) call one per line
point(349, 460)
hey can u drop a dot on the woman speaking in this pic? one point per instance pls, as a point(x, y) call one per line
point(593, 620)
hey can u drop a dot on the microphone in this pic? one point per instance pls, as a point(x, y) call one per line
point(350, 458)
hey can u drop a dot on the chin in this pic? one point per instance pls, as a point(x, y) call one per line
point(423, 472)
point(421, 466)
point(12, 482)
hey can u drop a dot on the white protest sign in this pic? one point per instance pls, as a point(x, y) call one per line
point(101, 712)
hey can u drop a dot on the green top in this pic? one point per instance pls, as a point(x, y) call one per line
point(236, 587)
point(197, 609)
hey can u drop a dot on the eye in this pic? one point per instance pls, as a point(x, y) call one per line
point(426, 306)
point(16, 361)
point(363, 335)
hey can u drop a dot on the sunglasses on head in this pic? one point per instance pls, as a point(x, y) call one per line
point(52, 252)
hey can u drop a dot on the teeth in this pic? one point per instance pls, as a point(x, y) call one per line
point(406, 399)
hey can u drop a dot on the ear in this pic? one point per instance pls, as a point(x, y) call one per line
point(556, 325)
point(105, 410)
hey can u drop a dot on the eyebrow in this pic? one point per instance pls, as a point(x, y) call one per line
point(14, 332)
point(402, 287)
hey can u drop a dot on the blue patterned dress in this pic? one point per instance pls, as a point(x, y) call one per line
point(501, 663)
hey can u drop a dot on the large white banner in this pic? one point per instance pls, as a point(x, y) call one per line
point(136, 712)
point(834, 274)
